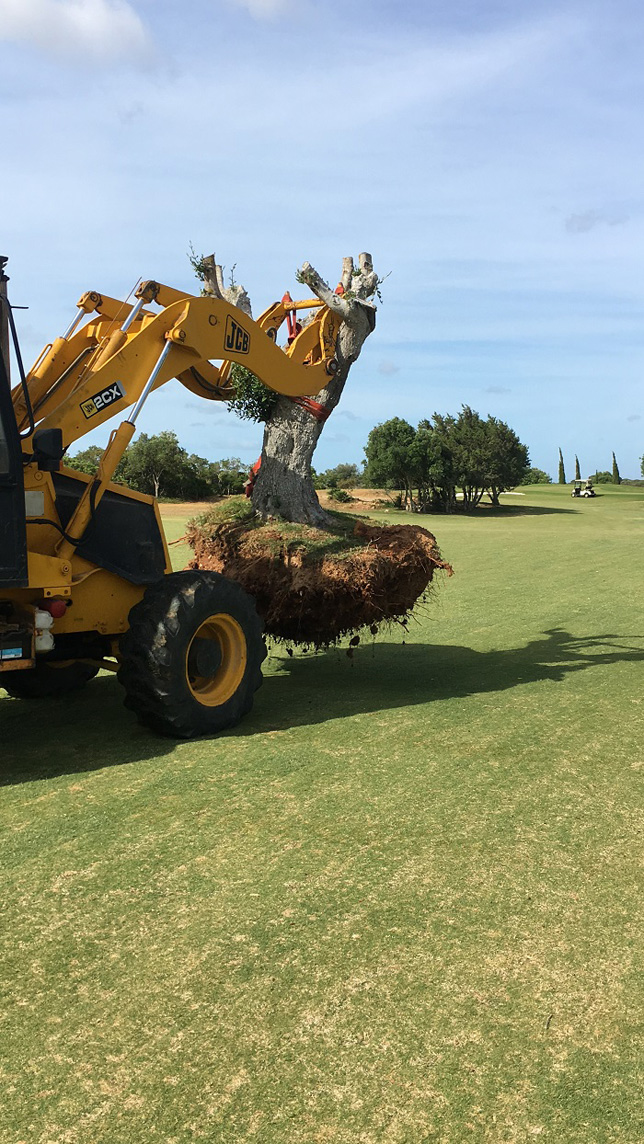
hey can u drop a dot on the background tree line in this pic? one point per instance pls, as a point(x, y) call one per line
point(599, 477)
point(429, 466)
point(448, 461)
point(160, 466)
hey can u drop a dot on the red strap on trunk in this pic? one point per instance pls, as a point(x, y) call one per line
point(249, 484)
point(319, 412)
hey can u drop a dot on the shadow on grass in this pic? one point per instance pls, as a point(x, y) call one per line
point(90, 729)
point(313, 689)
point(519, 510)
point(83, 731)
point(481, 512)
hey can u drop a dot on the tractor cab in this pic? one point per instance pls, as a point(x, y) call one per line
point(583, 489)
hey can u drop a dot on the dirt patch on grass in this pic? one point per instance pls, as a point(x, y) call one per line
point(311, 585)
point(360, 498)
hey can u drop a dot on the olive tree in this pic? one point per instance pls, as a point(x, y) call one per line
point(284, 484)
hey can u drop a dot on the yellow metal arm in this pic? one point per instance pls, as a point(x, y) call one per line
point(93, 373)
point(199, 329)
point(58, 368)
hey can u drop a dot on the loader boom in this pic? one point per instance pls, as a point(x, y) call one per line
point(93, 373)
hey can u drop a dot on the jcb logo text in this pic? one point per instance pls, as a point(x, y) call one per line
point(101, 400)
point(236, 339)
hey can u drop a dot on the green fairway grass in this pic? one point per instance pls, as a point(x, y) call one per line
point(401, 902)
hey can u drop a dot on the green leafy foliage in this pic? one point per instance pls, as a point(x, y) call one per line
point(536, 477)
point(236, 510)
point(159, 466)
point(562, 472)
point(505, 457)
point(617, 480)
point(229, 475)
point(253, 401)
point(158, 463)
point(87, 461)
point(446, 454)
point(198, 263)
point(389, 456)
point(343, 476)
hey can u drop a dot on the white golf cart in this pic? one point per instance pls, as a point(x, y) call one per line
point(583, 489)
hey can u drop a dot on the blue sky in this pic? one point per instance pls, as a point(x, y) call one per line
point(489, 155)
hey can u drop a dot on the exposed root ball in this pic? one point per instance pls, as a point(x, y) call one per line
point(313, 586)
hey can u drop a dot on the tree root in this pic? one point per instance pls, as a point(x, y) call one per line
point(312, 586)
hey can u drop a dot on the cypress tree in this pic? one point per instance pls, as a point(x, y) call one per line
point(577, 470)
point(617, 480)
point(562, 471)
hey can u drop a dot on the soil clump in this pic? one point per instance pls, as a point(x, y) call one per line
point(313, 586)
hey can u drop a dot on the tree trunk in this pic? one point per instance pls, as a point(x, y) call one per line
point(284, 486)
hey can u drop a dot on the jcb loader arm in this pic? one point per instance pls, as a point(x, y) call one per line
point(96, 372)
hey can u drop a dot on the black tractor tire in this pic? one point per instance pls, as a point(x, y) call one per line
point(47, 680)
point(191, 659)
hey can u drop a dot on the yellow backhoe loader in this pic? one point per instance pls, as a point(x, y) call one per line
point(85, 577)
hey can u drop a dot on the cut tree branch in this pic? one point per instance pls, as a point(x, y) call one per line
point(336, 302)
point(213, 277)
point(359, 286)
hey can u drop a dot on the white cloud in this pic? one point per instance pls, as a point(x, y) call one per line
point(431, 74)
point(387, 367)
point(99, 29)
point(587, 220)
point(263, 9)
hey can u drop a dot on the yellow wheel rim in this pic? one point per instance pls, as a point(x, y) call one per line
point(221, 641)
